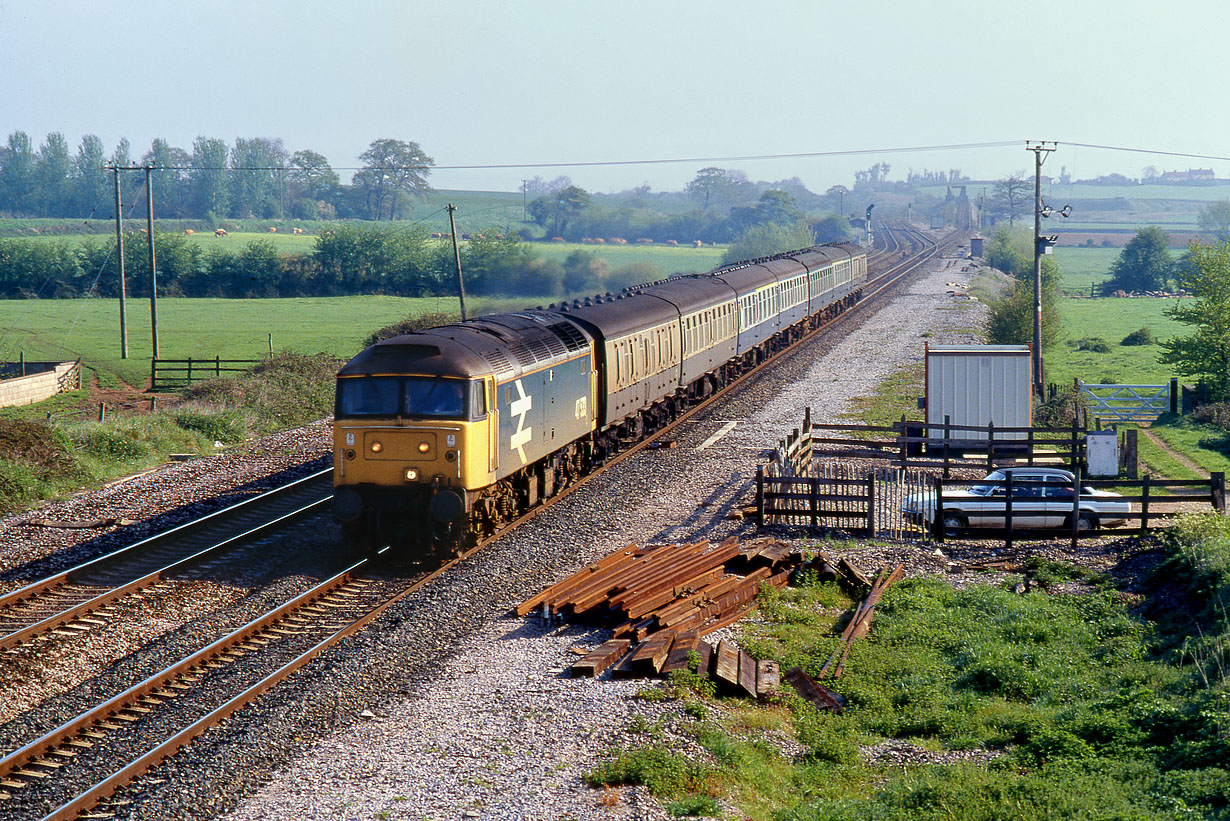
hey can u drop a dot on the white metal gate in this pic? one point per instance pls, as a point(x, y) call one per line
point(1127, 403)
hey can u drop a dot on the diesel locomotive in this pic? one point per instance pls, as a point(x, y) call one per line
point(444, 435)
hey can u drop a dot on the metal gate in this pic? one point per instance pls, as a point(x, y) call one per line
point(843, 497)
point(893, 487)
point(1127, 403)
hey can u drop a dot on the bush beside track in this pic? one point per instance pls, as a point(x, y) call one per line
point(42, 461)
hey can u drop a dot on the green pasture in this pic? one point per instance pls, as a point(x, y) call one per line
point(1053, 192)
point(287, 244)
point(229, 328)
point(668, 259)
point(1111, 320)
point(1082, 267)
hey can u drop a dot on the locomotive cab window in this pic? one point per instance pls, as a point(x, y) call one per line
point(367, 396)
point(435, 398)
point(413, 396)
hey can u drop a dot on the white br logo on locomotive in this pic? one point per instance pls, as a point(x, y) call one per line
point(524, 433)
point(582, 409)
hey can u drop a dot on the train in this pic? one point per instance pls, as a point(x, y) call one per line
point(445, 435)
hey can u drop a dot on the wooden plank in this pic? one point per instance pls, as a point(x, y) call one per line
point(598, 660)
point(681, 648)
point(747, 674)
point(815, 692)
point(853, 572)
point(726, 664)
point(768, 678)
point(651, 654)
point(775, 552)
point(705, 666)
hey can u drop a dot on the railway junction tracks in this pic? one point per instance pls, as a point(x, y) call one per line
point(70, 769)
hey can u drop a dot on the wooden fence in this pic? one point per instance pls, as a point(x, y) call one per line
point(842, 497)
point(917, 444)
point(173, 374)
point(805, 484)
point(795, 489)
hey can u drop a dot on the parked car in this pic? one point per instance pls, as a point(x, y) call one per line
point(1041, 498)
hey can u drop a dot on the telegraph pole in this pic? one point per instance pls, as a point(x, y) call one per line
point(525, 187)
point(461, 285)
point(1040, 148)
point(119, 245)
point(153, 270)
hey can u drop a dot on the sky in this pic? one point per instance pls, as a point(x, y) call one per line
point(535, 83)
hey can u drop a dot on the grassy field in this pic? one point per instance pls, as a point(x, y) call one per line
point(229, 328)
point(1111, 320)
point(1083, 707)
point(1082, 267)
point(666, 258)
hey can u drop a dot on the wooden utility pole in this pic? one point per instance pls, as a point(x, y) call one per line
point(119, 246)
point(461, 285)
point(153, 270)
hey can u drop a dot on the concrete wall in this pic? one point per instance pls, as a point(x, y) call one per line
point(35, 387)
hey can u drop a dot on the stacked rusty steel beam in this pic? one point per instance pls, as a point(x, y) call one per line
point(663, 599)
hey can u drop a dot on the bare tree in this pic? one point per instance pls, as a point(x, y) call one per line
point(1011, 197)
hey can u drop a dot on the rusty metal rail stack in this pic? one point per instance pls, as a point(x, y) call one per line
point(664, 599)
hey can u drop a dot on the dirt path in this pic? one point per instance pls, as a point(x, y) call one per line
point(1174, 454)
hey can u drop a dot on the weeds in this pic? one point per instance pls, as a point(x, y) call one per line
point(666, 774)
point(1087, 709)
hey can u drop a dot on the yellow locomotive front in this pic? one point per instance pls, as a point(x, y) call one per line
point(412, 433)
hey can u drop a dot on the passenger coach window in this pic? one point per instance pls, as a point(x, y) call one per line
point(441, 398)
point(367, 396)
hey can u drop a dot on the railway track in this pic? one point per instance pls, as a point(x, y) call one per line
point(113, 742)
point(75, 600)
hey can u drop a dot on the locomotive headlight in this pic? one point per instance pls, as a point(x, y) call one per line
point(377, 447)
point(412, 474)
point(424, 447)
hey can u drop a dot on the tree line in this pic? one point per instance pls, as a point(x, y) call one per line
point(347, 259)
point(731, 206)
point(251, 177)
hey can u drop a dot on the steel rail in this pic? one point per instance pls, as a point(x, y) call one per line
point(29, 594)
point(171, 745)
